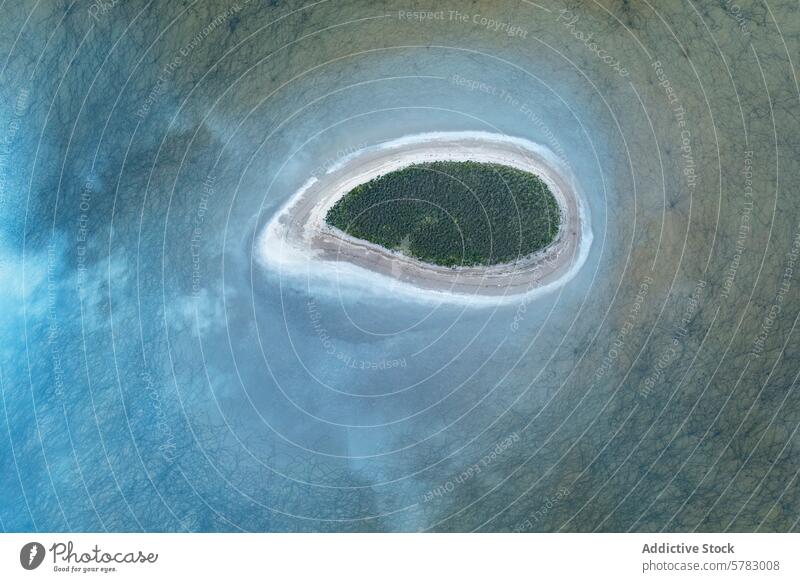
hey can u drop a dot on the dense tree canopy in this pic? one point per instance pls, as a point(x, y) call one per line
point(452, 213)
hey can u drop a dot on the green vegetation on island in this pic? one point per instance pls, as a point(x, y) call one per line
point(452, 213)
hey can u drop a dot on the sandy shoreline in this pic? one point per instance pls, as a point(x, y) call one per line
point(298, 232)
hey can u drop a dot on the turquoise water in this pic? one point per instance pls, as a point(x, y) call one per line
point(155, 376)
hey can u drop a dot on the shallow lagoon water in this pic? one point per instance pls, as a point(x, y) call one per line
point(155, 376)
point(286, 245)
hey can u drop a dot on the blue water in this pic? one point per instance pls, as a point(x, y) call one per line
point(155, 376)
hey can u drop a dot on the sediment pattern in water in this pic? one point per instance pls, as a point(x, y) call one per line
point(154, 375)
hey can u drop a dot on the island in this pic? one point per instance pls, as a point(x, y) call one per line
point(446, 215)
